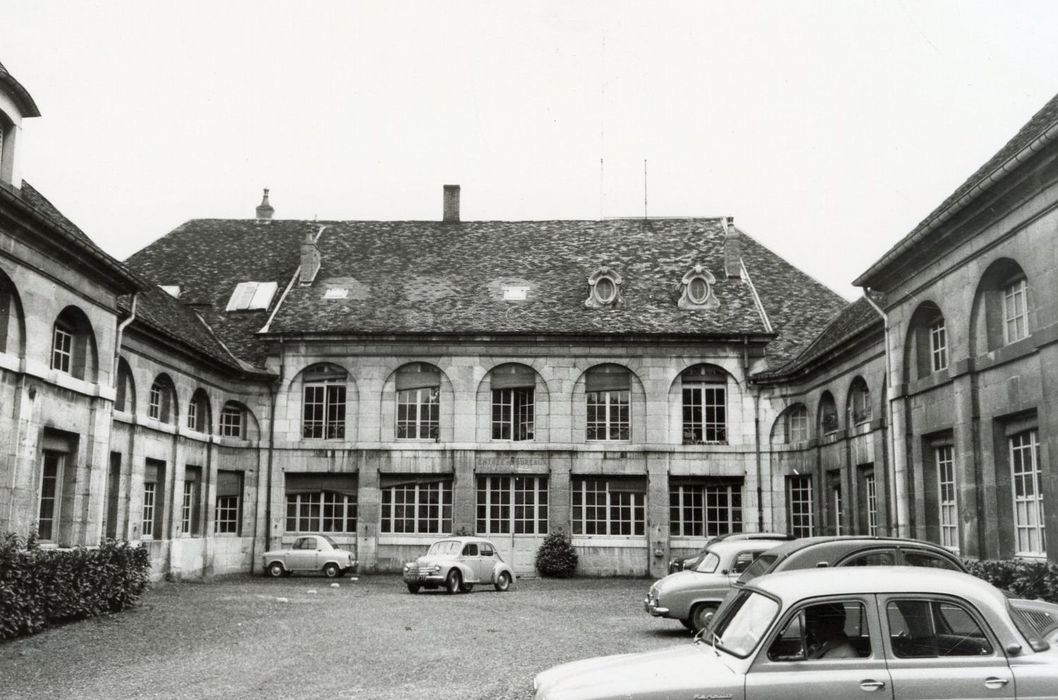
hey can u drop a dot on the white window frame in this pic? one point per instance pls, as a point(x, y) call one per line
point(192, 413)
point(705, 509)
point(250, 296)
point(415, 403)
point(62, 348)
point(870, 487)
point(232, 421)
point(1015, 311)
point(187, 506)
point(513, 413)
point(323, 409)
point(512, 505)
point(226, 518)
point(710, 399)
point(322, 511)
point(433, 496)
point(799, 499)
point(150, 497)
point(56, 495)
point(797, 425)
point(947, 496)
point(938, 345)
point(612, 412)
point(839, 508)
point(598, 511)
point(1026, 489)
point(156, 401)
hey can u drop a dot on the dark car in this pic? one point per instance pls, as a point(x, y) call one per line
point(811, 552)
point(681, 563)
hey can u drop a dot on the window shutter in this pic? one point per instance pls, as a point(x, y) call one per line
point(704, 374)
point(386, 481)
point(608, 378)
point(418, 376)
point(229, 483)
point(150, 474)
point(345, 484)
point(513, 377)
point(627, 485)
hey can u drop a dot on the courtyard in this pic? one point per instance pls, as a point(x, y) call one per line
point(369, 638)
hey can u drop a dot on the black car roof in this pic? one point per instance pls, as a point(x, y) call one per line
point(832, 547)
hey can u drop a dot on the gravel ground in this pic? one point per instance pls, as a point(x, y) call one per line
point(298, 637)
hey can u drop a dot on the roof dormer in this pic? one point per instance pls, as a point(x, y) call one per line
point(15, 105)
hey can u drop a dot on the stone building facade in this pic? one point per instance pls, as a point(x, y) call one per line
point(639, 384)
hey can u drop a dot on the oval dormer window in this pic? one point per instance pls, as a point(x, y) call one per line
point(698, 290)
point(605, 290)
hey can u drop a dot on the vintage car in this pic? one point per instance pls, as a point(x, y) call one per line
point(457, 563)
point(693, 595)
point(902, 632)
point(309, 553)
point(681, 563)
point(851, 550)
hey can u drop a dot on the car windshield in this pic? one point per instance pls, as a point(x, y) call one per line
point(444, 547)
point(745, 623)
point(708, 564)
point(759, 567)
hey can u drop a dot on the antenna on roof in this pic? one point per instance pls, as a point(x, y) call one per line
point(644, 188)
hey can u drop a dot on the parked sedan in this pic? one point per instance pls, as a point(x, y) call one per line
point(309, 553)
point(691, 562)
point(693, 595)
point(457, 563)
point(897, 631)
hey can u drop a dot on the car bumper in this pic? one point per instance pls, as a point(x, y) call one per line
point(423, 578)
point(651, 606)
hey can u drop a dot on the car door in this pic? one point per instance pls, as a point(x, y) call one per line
point(471, 561)
point(786, 667)
point(302, 555)
point(940, 648)
point(486, 561)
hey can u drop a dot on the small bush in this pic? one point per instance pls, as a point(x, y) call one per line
point(1022, 577)
point(556, 556)
point(42, 587)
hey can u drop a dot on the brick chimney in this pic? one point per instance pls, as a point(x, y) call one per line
point(451, 211)
point(732, 248)
point(264, 209)
point(310, 258)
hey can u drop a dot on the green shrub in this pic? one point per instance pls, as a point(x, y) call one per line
point(1022, 577)
point(42, 587)
point(556, 556)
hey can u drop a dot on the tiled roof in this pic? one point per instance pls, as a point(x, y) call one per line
point(403, 277)
point(159, 311)
point(851, 321)
point(27, 105)
point(1036, 127)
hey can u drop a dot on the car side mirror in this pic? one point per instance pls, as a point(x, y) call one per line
point(725, 572)
point(1013, 649)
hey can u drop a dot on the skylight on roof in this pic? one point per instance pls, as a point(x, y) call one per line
point(172, 290)
point(513, 293)
point(252, 296)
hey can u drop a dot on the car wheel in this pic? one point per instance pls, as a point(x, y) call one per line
point(454, 581)
point(503, 582)
point(687, 623)
point(331, 570)
point(467, 587)
point(413, 588)
point(701, 616)
point(275, 569)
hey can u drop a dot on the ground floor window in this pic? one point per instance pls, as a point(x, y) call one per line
point(189, 502)
point(413, 506)
point(321, 503)
point(512, 504)
point(705, 508)
point(227, 516)
point(608, 506)
point(50, 495)
point(153, 499)
point(944, 458)
point(1028, 493)
point(799, 505)
point(870, 497)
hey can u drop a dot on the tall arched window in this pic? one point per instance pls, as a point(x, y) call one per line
point(11, 319)
point(323, 399)
point(858, 407)
point(608, 393)
point(828, 414)
point(199, 414)
point(73, 348)
point(418, 402)
point(513, 402)
point(927, 342)
point(792, 425)
point(161, 399)
point(1002, 311)
point(233, 420)
point(126, 388)
point(704, 392)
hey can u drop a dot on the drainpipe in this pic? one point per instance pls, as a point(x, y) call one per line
point(898, 505)
point(273, 391)
point(120, 332)
point(756, 435)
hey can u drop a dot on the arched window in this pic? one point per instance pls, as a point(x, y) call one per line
point(199, 414)
point(418, 397)
point(927, 342)
point(704, 392)
point(11, 319)
point(828, 414)
point(161, 399)
point(233, 420)
point(126, 388)
point(513, 402)
point(73, 348)
point(858, 408)
point(608, 393)
point(792, 425)
point(1002, 307)
point(323, 401)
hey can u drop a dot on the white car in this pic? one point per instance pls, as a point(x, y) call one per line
point(457, 563)
point(893, 632)
point(309, 553)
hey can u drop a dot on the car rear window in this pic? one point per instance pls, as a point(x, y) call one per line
point(759, 567)
point(928, 559)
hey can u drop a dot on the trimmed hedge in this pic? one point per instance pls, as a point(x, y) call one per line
point(1024, 578)
point(556, 556)
point(41, 587)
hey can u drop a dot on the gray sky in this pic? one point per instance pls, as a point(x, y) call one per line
point(828, 130)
